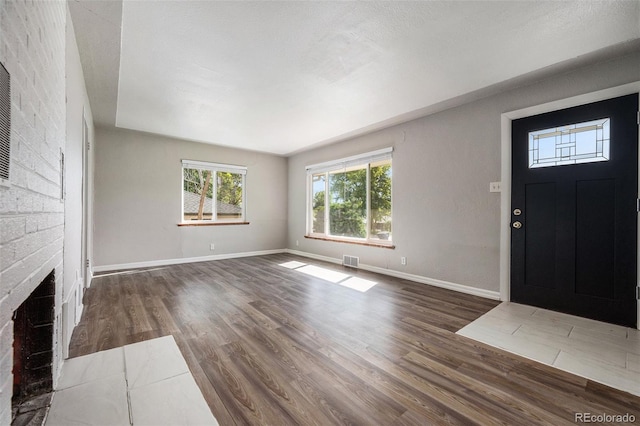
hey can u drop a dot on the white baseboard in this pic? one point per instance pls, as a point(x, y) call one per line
point(315, 256)
point(487, 294)
point(166, 262)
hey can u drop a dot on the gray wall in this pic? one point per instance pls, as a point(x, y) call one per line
point(445, 220)
point(138, 194)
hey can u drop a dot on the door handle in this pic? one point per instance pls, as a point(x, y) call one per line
point(517, 224)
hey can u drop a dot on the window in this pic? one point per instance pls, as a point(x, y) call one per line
point(202, 183)
point(350, 199)
point(586, 142)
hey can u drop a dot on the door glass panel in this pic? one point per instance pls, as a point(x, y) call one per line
point(586, 142)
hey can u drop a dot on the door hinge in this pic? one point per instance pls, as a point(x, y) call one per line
point(638, 293)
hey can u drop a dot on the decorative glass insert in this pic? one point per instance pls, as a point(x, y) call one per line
point(586, 142)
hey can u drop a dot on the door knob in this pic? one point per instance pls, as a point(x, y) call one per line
point(517, 224)
point(517, 212)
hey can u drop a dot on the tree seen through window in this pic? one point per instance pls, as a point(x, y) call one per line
point(199, 186)
point(349, 213)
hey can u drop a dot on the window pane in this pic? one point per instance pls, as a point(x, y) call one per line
point(348, 203)
point(229, 199)
point(198, 194)
point(586, 142)
point(317, 202)
point(381, 200)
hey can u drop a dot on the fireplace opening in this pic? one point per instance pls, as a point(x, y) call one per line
point(33, 325)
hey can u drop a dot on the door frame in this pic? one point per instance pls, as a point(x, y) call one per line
point(86, 272)
point(505, 174)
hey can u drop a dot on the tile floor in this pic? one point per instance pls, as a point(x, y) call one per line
point(605, 353)
point(145, 383)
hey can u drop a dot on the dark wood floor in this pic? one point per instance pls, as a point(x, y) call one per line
point(272, 346)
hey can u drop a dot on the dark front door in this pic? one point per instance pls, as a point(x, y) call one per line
point(574, 213)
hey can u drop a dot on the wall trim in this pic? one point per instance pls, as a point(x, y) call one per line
point(166, 262)
point(487, 294)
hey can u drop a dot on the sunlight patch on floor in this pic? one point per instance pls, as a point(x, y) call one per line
point(335, 277)
point(293, 264)
point(359, 284)
point(323, 273)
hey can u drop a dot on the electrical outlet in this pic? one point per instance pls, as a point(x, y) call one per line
point(495, 186)
point(212, 247)
point(297, 243)
point(403, 260)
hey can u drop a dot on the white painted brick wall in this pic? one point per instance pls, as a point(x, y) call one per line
point(32, 48)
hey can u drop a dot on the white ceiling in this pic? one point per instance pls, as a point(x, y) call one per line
point(280, 77)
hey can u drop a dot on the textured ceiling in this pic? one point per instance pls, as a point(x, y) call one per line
point(283, 76)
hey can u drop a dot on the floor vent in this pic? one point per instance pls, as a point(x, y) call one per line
point(351, 261)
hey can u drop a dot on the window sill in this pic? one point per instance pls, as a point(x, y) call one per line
point(360, 243)
point(211, 223)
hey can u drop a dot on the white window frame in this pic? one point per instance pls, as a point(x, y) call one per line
point(361, 160)
point(214, 167)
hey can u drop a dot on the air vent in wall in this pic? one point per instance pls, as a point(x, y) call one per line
point(5, 123)
point(351, 261)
